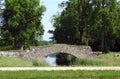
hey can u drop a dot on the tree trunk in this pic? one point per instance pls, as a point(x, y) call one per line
point(18, 44)
point(81, 18)
point(102, 30)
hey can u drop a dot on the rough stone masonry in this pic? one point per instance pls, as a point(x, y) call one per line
point(39, 53)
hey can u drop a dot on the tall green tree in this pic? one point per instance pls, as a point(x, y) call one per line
point(70, 24)
point(22, 22)
point(65, 25)
point(93, 22)
point(117, 28)
point(103, 23)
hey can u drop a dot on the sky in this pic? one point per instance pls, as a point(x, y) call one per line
point(51, 9)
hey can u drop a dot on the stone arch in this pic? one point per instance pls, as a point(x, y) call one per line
point(40, 52)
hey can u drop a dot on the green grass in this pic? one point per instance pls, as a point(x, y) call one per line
point(102, 60)
point(17, 62)
point(109, 59)
point(88, 62)
point(13, 62)
point(37, 63)
point(60, 74)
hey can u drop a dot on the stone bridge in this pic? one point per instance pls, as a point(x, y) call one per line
point(39, 53)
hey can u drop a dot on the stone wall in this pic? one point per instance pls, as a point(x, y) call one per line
point(38, 53)
point(9, 54)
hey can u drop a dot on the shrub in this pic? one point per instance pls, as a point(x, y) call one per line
point(36, 63)
point(6, 48)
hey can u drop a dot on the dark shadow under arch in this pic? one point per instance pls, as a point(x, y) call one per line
point(65, 59)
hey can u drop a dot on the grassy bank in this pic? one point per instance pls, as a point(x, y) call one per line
point(109, 59)
point(102, 60)
point(60, 74)
point(14, 62)
point(17, 62)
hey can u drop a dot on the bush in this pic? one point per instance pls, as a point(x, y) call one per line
point(6, 48)
point(37, 63)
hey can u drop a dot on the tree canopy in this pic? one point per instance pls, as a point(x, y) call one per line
point(22, 23)
point(91, 22)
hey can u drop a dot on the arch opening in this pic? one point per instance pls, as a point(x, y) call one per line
point(51, 59)
point(60, 58)
point(65, 59)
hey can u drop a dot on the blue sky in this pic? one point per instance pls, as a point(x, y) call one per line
point(51, 9)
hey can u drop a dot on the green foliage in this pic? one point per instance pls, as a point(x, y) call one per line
point(42, 43)
point(38, 63)
point(85, 41)
point(67, 74)
point(22, 22)
point(6, 48)
point(103, 24)
point(35, 63)
point(92, 22)
point(66, 30)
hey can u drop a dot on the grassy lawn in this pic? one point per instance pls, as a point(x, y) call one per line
point(60, 74)
point(109, 59)
point(17, 62)
point(13, 62)
point(102, 60)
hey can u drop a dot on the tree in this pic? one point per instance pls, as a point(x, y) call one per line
point(92, 22)
point(65, 26)
point(70, 24)
point(117, 29)
point(103, 23)
point(22, 22)
point(66, 32)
